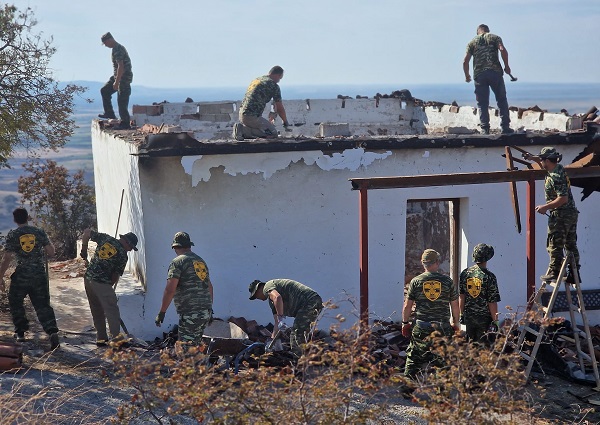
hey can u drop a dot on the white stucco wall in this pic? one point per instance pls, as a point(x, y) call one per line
point(273, 215)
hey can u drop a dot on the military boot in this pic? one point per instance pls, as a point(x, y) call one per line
point(571, 276)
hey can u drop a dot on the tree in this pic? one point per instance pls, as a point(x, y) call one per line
point(34, 111)
point(64, 205)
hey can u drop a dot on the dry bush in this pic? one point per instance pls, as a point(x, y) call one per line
point(331, 384)
point(480, 383)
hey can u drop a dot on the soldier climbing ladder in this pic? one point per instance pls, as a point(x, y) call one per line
point(574, 309)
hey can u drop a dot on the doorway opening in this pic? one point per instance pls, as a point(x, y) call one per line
point(432, 223)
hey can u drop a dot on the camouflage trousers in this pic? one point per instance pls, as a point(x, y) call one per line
point(123, 95)
point(257, 126)
point(418, 354)
point(477, 327)
point(34, 285)
point(562, 234)
point(193, 323)
point(301, 330)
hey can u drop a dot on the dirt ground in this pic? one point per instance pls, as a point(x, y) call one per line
point(73, 385)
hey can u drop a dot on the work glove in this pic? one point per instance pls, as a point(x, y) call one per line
point(160, 318)
point(493, 326)
point(406, 330)
point(462, 319)
point(282, 325)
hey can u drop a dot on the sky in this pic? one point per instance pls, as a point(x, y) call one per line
point(219, 43)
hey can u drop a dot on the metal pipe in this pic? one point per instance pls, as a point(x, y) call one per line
point(530, 241)
point(363, 253)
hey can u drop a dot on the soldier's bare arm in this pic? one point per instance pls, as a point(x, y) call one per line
point(210, 289)
point(455, 314)
point(466, 61)
point(49, 250)
point(493, 311)
point(169, 293)
point(461, 303)
point(504, 56)
point(6, 259)
point(281, 112)
point(120, 71)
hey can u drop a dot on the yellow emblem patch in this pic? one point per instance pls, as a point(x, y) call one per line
point(107, 251)
point(474, 286)
point(27, 242)
point(200, 269)
point(432, 289)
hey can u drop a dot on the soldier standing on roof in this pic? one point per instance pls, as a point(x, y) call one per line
point(290, 298)
point(487, 73)
point(120, 82)
point(30, 245)
point(562, 220)
point(259, 93)
point(188, 283)
point(434, 294)
point(103, 271)
point(479, 295)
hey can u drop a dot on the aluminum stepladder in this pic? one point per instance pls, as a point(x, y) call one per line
point(547, 315)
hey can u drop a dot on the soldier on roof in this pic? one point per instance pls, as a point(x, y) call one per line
point(259, 93)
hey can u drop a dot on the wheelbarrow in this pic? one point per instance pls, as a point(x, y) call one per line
point(228, 340)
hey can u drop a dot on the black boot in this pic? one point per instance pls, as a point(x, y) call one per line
point(552, 275)
point(571, 276)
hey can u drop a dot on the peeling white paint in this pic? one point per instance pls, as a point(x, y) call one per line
point(350, 159)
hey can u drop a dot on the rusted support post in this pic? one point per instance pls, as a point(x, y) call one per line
point(363, 253)
point(530, 241)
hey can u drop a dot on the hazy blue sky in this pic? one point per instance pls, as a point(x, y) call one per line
point(192, 43)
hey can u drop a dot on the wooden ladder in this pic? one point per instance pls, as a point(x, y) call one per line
point(547, 315)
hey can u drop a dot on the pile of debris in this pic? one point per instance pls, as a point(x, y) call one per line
point(69, 269)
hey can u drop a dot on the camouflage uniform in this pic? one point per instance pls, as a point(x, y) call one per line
point(488, 73)
point(119, 53)
point(30, 278)
point(432, 293)
point(259, 93)
point(192, 299)
point(109, 258)
point(562, 223)
point(300, 302)
point(480, 287)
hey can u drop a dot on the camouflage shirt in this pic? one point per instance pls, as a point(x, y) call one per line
point(432, 293)
point(484, 49)
point(110, 257)
point(557, 184)
point(27, 243)
point(119, 53)
point(294, 294)
point(260, 91)
point(192, 292)
point(480, 287)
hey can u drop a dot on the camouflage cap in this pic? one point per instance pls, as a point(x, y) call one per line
point(106, 36)
point(549, 152)
point(483, 253)
point(430, 256)
point(181, 240)
point(253, 288)
point(131, 238)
